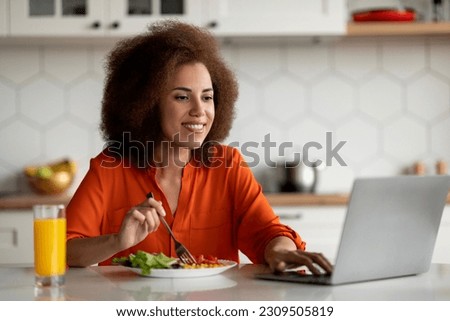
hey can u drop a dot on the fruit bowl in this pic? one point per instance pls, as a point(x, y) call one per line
point(52, 178)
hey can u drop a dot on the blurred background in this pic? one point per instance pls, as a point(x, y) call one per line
point(387, 96)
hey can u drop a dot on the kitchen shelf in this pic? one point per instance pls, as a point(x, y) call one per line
point(27, 201)
point(300, 199)
point(397, 28)
point(354, 29)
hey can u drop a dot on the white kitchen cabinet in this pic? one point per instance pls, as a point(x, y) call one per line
point(16, 237)
point(4, 17)
point(442, 248)
point(277, 18)
point(124, 22)
point(319, 226)
point(96, 17)
point(56, 18)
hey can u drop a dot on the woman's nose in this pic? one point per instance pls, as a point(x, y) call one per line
point(197, 108)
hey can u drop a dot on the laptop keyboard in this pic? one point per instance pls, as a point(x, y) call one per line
point(316, 279)
point(296, 277)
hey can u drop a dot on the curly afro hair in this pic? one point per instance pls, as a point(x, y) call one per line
point(138, 70)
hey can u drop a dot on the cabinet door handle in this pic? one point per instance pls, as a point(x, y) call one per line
point(212, 24)
point(96, 24)
point(290, 216)
point(115, 25)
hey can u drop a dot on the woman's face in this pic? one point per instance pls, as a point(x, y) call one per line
point(187, 106)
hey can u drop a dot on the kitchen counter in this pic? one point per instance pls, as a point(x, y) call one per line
point(298, 199)
point(26, 201)
point(116, 283)
point(398, 29)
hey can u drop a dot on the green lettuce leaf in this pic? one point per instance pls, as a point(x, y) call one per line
point(146, 261)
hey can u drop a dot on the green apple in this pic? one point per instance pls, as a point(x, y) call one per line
point(44, 172)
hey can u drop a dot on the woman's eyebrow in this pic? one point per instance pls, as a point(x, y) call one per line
point(190, 90)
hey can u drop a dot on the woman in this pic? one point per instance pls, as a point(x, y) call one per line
point(168, 100)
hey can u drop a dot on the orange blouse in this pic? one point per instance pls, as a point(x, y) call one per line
point(221, 207)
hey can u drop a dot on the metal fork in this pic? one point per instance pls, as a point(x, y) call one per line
point(185, 256)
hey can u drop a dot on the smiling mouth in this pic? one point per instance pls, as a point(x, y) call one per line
point(194, 127)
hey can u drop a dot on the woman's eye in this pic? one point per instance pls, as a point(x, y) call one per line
point(181, 97)
point(208, 98)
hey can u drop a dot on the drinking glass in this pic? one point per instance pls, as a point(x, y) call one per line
point(49, 244)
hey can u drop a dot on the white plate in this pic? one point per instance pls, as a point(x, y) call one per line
point(186, 273)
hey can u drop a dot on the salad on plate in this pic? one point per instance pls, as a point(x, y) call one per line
point(146, 262)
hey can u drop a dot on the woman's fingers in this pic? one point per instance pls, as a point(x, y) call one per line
point(147, 212)
point(137, 215)
point(139, 222)
point(157, 205)
point(323, 262)
point(147, 215)
point(317, 263)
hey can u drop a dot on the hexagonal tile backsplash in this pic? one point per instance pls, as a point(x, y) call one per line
point(388, 99)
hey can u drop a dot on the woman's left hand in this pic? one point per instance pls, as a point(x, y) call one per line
point(281, 254)
point(317, 263)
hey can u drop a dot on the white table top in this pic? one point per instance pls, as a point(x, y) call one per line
point(115, 283)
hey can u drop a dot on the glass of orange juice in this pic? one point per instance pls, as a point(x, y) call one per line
point(49, 244)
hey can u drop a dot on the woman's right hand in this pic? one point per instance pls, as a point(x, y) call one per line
point(139, 222)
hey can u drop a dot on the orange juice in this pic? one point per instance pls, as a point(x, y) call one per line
point(50, 246)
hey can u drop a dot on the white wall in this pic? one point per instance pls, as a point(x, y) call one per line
point(389, 98)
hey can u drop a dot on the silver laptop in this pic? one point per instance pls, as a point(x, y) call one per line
point(390, 230)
